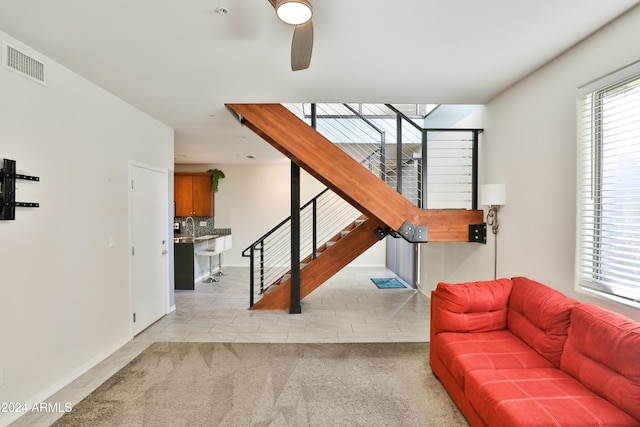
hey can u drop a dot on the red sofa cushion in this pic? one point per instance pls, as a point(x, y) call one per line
point(462, 352)
point(539, 397)
point(539, 316)
point(603, 353)
point(470, 307)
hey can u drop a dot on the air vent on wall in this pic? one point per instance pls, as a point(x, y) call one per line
point(23, 64)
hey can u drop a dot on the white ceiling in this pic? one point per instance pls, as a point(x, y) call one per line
point(180, 61)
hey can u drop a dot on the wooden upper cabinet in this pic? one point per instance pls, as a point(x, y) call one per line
point(192, 194)
point(183, 194)
point(202, 195)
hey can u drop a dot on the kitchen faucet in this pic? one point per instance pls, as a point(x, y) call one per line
point(193, 226)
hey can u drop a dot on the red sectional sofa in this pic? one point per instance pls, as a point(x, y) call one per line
point(515, 352)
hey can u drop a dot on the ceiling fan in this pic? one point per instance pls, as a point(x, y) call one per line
point(298, 13)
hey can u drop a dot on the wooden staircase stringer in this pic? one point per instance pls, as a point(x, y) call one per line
point(327, 163)
point(319, 270)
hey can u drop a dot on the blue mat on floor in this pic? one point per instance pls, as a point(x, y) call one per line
point(387, 283)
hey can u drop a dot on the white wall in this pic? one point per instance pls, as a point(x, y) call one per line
point(529, 144)
point(252, 199)
point(65, 294)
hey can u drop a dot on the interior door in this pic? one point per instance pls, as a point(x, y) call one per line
point(149, 246)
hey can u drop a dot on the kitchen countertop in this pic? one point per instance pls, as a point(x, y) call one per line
point(188, 238)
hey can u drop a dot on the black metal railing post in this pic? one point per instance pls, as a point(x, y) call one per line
point(399, 154)
point(474, 171)
point(251, 278)
point(261, 265)
point(314, 237)
point(295, 307)
point(383, 157)
point(425, 140)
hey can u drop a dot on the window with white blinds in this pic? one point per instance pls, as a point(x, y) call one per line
point(608, 246)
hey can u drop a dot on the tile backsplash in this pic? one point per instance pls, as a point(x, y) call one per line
point(209, 228)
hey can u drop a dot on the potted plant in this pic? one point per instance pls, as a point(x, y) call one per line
point(216, 176)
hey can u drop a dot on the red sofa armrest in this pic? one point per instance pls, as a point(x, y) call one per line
point(470, 307)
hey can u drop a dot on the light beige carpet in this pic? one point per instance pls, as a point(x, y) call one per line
point(217, 384)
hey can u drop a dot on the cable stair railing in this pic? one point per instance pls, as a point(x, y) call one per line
point(320, 250)
point(382, 134)
point(323, 220)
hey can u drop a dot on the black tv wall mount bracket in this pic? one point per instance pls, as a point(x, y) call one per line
point(8, 202)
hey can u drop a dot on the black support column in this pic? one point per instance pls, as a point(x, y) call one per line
point(474, 173)
point(399, 154)
point(295, 307)
point(424, 154)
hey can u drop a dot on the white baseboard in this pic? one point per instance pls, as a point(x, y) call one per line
point(425, 292)
point(52, 389)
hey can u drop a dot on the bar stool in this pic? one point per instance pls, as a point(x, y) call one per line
point(227, 243)
point(218, 247)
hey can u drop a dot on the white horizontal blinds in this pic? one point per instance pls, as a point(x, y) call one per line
point(609, 190)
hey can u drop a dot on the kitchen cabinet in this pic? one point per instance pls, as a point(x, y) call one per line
point(192, 194)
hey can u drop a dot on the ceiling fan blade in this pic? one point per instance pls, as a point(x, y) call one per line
point(302, 46)
point(273, 3)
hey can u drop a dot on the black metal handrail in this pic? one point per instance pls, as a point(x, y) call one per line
point(269, 258)
point(282, 223)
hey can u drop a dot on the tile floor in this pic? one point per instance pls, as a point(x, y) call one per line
point(348, 308)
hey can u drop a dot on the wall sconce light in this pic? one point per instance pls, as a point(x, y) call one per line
point(494, 196)
point(294, 12)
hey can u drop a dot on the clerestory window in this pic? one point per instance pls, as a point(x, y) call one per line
point(608, 234)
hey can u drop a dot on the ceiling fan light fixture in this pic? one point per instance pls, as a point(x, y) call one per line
point(294, 12)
